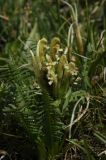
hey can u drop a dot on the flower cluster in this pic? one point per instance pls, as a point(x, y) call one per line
point(53, 63)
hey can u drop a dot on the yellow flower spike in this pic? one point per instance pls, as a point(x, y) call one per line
point(63, 60)
point(60, 68)
point(66, 71)
point(54, 47)
point(48, 59)
point(73, 69)
point(41, 48)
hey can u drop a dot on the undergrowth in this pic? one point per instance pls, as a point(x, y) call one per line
point(54, 88)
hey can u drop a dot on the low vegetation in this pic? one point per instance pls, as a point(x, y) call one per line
point(53, 80)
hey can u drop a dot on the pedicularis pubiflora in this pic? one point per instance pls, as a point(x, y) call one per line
point(55, 70)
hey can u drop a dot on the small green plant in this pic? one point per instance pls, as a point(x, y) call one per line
point(53, 68)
